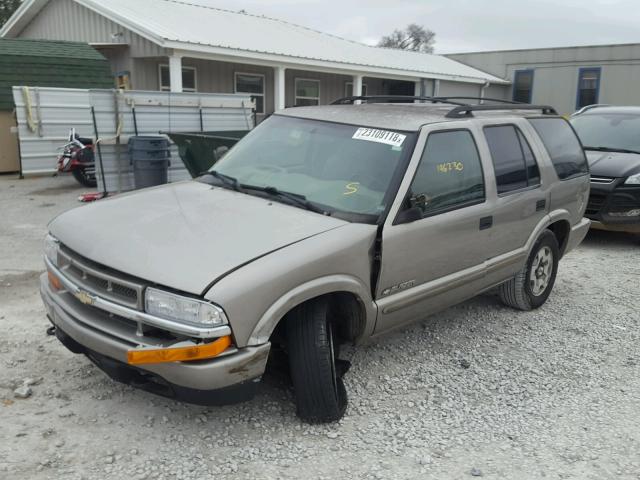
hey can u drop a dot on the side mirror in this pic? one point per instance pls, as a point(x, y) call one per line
point(409, 215)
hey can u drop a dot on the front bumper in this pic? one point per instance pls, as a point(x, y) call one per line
point(105, 338)
point(608, 198)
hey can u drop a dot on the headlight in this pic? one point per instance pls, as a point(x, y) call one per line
point(183, 309)
point(633, 180)
point(51, 249)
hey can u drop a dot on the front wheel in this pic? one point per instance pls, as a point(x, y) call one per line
point(532, 285)
point(320, 393)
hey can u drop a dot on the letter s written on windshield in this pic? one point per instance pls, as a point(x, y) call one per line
point(380, 136)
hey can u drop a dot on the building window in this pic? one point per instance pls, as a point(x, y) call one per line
point(523, 86)
point(188, 79)
point(307, 92)
point(588, 87)
point(513, 161)
point(348, 89)
point(253, 84)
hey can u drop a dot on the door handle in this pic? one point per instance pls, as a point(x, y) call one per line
point(486, 222)
point(541, 205)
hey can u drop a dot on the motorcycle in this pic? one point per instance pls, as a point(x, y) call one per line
point(78, 158)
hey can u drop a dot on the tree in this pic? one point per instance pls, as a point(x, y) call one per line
point(7, 7)
point(415, 38)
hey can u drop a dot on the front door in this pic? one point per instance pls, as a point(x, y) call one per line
point(436, 260)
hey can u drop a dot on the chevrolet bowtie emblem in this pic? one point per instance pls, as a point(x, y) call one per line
point(84, 297)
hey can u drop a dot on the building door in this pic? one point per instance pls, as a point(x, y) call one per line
point(398, 87)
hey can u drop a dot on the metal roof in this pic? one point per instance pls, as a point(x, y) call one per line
point(394, 116)
point(190, 27)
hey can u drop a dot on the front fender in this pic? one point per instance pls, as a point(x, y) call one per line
point(308, 291)
point(257, 295)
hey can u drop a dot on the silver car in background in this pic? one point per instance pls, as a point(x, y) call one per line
point(324, 225)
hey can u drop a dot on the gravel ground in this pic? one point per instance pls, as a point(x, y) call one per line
point(478, 390)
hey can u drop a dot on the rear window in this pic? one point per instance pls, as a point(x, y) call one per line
point(562, 145)
point(513, 162)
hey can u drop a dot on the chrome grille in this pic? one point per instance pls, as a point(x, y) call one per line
point(100, 281)
point(602, 180)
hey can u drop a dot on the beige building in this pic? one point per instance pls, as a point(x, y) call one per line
point(566, 78)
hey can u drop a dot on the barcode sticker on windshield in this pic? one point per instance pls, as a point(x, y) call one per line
point(381, 136)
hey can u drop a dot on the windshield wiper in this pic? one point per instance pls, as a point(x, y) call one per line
point(296, 198)
point(226, 179)
point(612, 149)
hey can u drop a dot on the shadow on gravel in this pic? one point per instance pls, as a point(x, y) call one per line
point(59, 189)
point(611, 240)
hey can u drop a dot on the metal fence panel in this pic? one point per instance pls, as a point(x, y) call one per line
point(118, 115)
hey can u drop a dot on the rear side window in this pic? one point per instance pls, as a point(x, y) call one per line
point(513, 160)
point(450, 173)
point(562, 145)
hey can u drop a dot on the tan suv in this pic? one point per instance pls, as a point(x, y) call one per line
point(324, 225)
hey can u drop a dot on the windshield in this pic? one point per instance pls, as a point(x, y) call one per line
point(609, 130)
point(341, 168)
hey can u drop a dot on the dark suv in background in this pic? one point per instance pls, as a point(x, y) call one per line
point(611, 139)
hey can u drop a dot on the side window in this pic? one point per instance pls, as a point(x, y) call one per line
point(449, 174)
point(533, 172)
point(513, 160)
point(563, 146)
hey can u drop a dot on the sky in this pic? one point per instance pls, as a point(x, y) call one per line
point(462, 25)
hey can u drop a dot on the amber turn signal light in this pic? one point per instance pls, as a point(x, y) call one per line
point(54, 281)
point(179, 354)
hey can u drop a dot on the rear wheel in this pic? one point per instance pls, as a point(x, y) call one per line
point(320, 393)
point(85, 176)
point(532, 285)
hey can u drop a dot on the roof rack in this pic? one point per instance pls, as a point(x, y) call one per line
point(461, 110)
point(590, 107)
point(482, 99)
point(467, 110)
point(385, 98)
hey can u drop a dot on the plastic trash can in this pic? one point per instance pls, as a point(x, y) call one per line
point(150, 157)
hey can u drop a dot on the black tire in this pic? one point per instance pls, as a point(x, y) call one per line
point(320, 393)
point(85, 176)
point(519, 292)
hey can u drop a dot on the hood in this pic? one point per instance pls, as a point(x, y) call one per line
point(186, 235)
point(613, 164)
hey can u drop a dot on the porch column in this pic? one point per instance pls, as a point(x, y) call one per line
point(482, 92)
point(436, 87)
point(357, 87)
point(175, 73)
point(278, 83)
point(417, 90)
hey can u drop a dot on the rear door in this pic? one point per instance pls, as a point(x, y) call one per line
point(437, 259)
point(522, 199)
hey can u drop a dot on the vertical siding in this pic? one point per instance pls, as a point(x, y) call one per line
point(331, 85)
point(211, 76)
point(67, 20)
point(457, 89)
point(501, 92)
